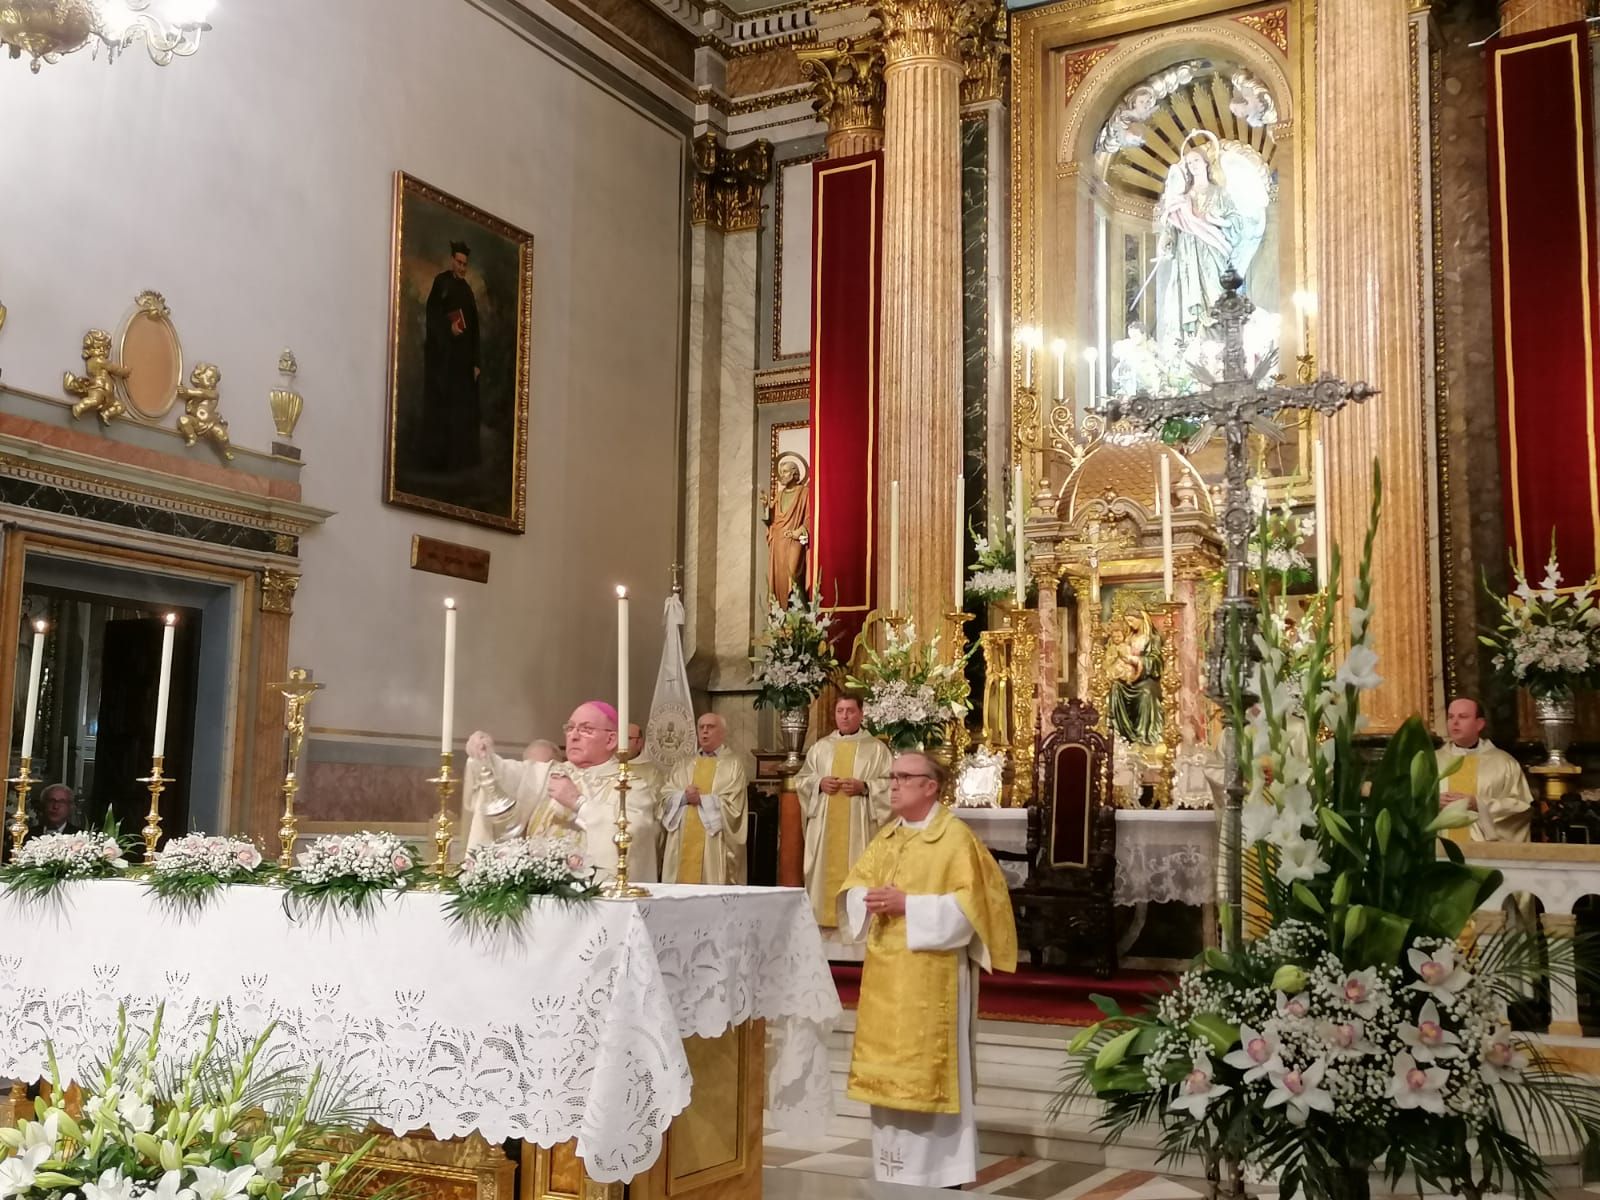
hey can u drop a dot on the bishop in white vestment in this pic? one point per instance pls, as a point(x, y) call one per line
point(843, 790)
point(704, 811)
point(1488, 780)
point(502, 797)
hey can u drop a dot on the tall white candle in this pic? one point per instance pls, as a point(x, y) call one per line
point(448, 720)
point(166, 685)
point(959, 572)
point(1092, 357)
point(1164, 506)
point(1319, 485)
point(894, 546)
point(1018, 543)
point(33, 689)
point(622, 666)
point(1060, 348)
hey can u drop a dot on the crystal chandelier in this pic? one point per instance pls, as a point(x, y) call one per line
point(44, 30)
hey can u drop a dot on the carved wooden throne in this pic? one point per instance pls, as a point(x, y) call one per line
point(1066, 904)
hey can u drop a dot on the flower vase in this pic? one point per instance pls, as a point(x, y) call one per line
point(1557, 713)
point(792, 724)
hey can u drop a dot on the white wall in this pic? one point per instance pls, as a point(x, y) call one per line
point(251, 185)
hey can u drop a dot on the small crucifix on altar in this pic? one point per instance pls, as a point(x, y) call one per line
point(1242, 402)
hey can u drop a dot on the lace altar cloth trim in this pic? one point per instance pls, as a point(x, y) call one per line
point(1165, 856)
point(572, 1027)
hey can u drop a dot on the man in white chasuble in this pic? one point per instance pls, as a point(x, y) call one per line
point(934, 907)
point(1489, 781)
point(703, 811)
point(844, 799)
point(501, 797)
point(581, 794)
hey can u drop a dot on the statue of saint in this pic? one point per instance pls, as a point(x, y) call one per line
point(1212, 215)
point(787, 516)
point(1135, 699)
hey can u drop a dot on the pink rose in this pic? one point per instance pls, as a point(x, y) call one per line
point(248, 857)
point(576, 863)
point(401, 862)
point(76, 844)
point(110, 851)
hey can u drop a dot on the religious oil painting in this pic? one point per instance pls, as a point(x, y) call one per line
point(460, 340)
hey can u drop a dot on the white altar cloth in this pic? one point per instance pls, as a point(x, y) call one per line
point(571, 1028)
point(1162, 854)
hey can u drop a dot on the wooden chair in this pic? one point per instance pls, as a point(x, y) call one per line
point(1066, 904)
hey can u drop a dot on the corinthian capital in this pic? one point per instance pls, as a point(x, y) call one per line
point(847, 78)
point(727, 183)
point(913, 29)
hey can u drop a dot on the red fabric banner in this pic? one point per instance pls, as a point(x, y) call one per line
point(1547, 286)
point(846, 287)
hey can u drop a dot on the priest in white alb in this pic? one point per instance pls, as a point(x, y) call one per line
point(502, 797)
point(1487, 780)
point(843, 790)
point(704, 811)
point(934, 908)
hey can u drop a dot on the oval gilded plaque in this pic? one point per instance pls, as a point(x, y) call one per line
point(154, 359)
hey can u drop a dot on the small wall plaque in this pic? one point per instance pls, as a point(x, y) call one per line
point(449, 558)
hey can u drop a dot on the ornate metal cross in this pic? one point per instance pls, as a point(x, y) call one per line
point(1238, 404)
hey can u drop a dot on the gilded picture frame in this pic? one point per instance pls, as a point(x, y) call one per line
point(460, 349)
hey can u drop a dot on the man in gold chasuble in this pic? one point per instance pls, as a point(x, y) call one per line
point(934, 908)
point(703, 811)
point(1489, 781)
point(844, 799)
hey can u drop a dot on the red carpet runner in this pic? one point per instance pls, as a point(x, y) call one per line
point(1043, 997)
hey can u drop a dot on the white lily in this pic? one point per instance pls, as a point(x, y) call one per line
point(313, 1185)
point(1428, 1039)
point(44, 1133)
point(1257, 820)
point(1299, 859)
point(1256, 1056)
point(1439, 973)
point(18, 1171)
point(112, 1186)
point(1414, 1086)
point(1299, 1092)
point(138, 1115)
point(1359, 669)
point(1198, 1089)
point(212, 1183)
point(1502, 1061)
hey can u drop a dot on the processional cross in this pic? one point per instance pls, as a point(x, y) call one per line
point(1241, 402)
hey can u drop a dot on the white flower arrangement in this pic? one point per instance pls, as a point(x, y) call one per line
point(191, 869)
point(351, 870)
point(1548, 640)
point(795, 657)
point(52, 858)
point(909, 695)
point(499, 880)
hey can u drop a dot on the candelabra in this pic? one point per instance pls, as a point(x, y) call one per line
point(955, 647)
point(297, 691)
point(443, 827)
point(619, 888)
point(157, 783)
point(19, 820)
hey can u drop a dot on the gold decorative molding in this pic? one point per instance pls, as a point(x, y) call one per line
point(277, 591)
point(1076, 68)
point(783, 393)
point(286, 403)
point(847, 84)
point(727, 183)
point(984, 55)
point(926, 29)
point(1272, 24)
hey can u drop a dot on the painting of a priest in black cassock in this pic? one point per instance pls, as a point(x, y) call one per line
point(450, 420)
point(459, 371)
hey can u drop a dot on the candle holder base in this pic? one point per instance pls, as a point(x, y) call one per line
point(618, 887)
point(23, 783)
point(157, 783)
point(443, 827)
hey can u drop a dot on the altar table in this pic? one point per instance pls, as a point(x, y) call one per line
point(572, 1028)
point(1163, 855)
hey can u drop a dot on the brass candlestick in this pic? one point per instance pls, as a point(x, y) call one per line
point(19, 819)
point(443, 827)
point(152, 820)
point(1171, 666)
point(955, 650)
point(297, 692)
point(619, 888)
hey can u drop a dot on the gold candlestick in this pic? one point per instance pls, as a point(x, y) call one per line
point(152, 820)
point(1171, 728)
point(619, 888)
point(443, 827)
point(19, 819)
point(297, 692)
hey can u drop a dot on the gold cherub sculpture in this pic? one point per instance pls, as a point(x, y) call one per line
point(97, 385)
point(200, 402)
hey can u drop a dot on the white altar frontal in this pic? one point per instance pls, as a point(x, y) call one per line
point(596, 1034)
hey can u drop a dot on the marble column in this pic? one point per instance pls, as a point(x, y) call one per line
point(920, 408)
point(1369, 321)
point(848, 80)
point(1526, 16)
point(720, 485)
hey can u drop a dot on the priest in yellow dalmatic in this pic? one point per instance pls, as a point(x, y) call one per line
point(1489, 781)
point(934, 908)
point(703, 811)
point(844, 800)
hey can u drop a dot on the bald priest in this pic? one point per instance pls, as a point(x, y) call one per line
point(934, 908)
point(533, 798)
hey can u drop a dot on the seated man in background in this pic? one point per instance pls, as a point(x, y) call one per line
point(1489, 781)
point(55, 811)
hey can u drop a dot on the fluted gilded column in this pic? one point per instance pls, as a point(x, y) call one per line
point(848, 80)
point(1525, 16)
point(920, 397)
point(1367, 280)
